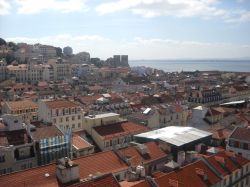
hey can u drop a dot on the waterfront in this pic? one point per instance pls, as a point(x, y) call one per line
point(192, 65)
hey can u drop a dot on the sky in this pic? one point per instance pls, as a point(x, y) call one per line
point(143, 29)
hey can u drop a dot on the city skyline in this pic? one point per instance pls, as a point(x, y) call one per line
point(143, 29)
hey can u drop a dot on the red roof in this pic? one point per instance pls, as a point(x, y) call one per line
point(104, 162)
point(154, 153)
point(189, 176)
point(102, 181)
point(119, 129)
point(225, 163)
point(241, 133)
point(80, 143)
point(61, 104)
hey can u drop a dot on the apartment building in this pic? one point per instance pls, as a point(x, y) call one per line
point(64, 114)
point(81, 147)
point(26, 109)
point(50, 142)
point(17, 150)
point(222, 169)
point(92, 121)
point(116, 135)
point(34, 72)
point(18, 72)
point(172, 115)
point(239, 142)
point(149, 118)
point(61, 68)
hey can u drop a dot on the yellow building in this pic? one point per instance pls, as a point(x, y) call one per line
point(26, 109)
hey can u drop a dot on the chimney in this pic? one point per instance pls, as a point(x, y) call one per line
point(67, 172)
point(201, 173)
point(141, 148)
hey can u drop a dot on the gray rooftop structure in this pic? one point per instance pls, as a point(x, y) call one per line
point(175, 135)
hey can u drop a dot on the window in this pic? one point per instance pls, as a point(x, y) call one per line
point(236, 144)
point(224, 182)
point(117, 177)
point(79, 116)
point(236, 175)
point(73, 126)
point(54, 120)
point(107, 144)
point(79, 125)
point(61, 120)
point(245, 146)
point(23, 166)
point(2, 158)
point(67, 118)
point(73, 118)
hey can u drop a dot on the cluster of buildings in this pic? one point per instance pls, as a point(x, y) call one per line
point(81, 124)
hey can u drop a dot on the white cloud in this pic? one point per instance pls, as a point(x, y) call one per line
point(142, 48)
point(153, 8)
point(64, 6)
point(4, 7)
point(240, 17)
point(205, 9)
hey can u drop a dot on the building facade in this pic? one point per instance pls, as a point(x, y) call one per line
point(17, 150)
point(62, 113)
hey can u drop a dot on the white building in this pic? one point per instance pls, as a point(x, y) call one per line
point(61, 69)
point(239, 142)
point(62, 113)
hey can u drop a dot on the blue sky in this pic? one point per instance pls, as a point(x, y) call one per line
point(143, 29)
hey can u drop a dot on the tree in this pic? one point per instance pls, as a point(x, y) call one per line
point(67, 51)
point(59, 51)
point(9, 58)
point(2, 42)
point(13, 46)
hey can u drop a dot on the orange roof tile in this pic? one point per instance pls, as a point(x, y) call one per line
point(19, 105)
point(119, 129)
point(154, 153)
point(104, 162)
point(80, 143)
point(229, 164)
point(61, 104)
point(102, 181)
point(188, 176)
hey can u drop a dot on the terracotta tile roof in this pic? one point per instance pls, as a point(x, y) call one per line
point(213, 112)
point(19, 105)
point(154, 153)
point(18, 67)
point(104, 162)
point(241, 133)
point(31, 177)
point(140, 183)
point(193, 174)
point(61, 104)
point(89, 99)
point(102, 181)
point(119, 129)
point(46, 132)
point(225, 163)
point(189, 176)
point(80, 143)
point(221, 134)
